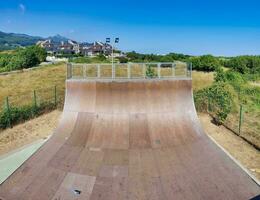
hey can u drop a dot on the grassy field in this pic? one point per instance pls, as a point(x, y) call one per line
point(19, 87)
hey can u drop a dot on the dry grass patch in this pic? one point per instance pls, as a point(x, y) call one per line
point(20, 85)
point(201, 80)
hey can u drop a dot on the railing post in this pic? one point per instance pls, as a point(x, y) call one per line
point(113, 71)
point(69, 70)
point(84, 71)
point(190, 69)
point(8, 112)
point(240, 118)
point(159, 70)
point(128, 71)
point(143, 70)
point(98, 70)
point(173, 69)
point(187, 69)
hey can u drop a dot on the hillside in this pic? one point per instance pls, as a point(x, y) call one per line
point(12, 40)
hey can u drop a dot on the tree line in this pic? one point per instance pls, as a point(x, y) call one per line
point(207, 63)
point(22, 58)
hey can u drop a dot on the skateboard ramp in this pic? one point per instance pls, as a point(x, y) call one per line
point(129, 140)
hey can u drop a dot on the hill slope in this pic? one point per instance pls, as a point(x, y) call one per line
point(13, 40)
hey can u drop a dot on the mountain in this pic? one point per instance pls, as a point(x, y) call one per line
point(13, 40)
point(57, 38)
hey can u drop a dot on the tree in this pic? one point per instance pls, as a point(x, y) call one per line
point(122, 59)
point(40, 52)
point(205, 63)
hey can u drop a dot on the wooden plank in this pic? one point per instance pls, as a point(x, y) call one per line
point(129, 140)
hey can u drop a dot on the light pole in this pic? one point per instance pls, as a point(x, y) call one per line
point(112, 44)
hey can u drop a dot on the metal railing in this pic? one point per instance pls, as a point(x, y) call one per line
point(129, 70)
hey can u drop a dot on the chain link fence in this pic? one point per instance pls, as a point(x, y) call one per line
point(244, 121)
point(19, 108)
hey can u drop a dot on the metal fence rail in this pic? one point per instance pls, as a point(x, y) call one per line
point(129, 70)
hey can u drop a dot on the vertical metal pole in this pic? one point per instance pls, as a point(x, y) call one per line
point(144, 70)
point(98, 70)
point(68, 76)
point(209, 103)
point(55, 96)
point(173, 70)
point(191, 69)
point(69, 70)
point(128, 71)
point(84, 71)
point(240, 118)
point(8, 112)
point(187, 69)
point(159, 70)
point(113, 68)
point(34, 99)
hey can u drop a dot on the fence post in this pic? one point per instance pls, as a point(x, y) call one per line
point(68, 71)
point(159, 70)
point(240, 118)
point(173, 69)
point(209, 104)
point(34, 99)
point(144, 70)
point(84, 71)
point(8, 112)
point(128, 71)
point(55, 95)
point(190, 64)
point(98, 70)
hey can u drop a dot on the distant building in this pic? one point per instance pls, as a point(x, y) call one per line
point(70, 46)
point(47, 44)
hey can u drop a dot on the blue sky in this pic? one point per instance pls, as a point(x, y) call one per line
point(219, 27)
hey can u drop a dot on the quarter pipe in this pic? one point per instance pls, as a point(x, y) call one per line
point(129, 140)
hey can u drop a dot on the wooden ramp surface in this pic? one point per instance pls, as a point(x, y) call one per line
point(129, 140)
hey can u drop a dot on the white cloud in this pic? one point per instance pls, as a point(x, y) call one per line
point(22, 8)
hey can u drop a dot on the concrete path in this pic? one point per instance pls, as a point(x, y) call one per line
point(11, 161)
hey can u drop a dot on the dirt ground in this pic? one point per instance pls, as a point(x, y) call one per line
point(42, 127)
point(28, 132)
point(247, 155)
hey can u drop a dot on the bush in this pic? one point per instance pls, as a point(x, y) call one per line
point(40, 52)
point(22, 58)
point(218, 99)
point(244, 64)
point(122, 59)
point(205, 63)
point(150, 73)
point(232, 77)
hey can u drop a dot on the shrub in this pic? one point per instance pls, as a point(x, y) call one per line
point(205, 63)
point(218, 99)
point(150, 73)
point(229, 76)
point(122, 59)
point(244, 64)
point(40, 52)
point(22, 58)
